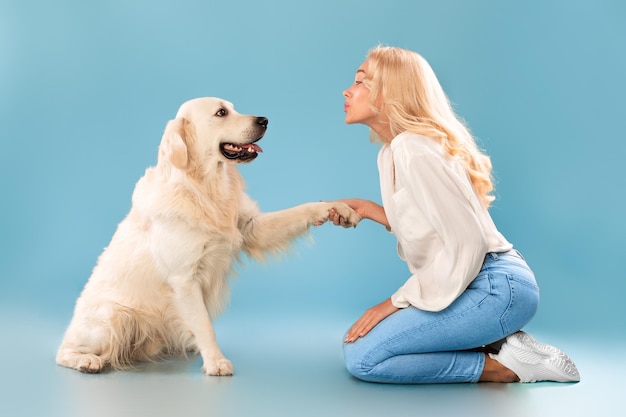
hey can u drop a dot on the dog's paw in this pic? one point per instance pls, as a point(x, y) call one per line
point(218, 367)
point(90, 364)
point(85, 362)
point(347, 216)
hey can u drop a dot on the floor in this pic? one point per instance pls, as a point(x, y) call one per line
point(283, 367)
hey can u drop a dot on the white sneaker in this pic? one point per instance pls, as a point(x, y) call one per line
point(533, 361)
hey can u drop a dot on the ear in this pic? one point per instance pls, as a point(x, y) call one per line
point(174, 143)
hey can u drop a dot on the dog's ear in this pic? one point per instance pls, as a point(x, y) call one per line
point(174, 143)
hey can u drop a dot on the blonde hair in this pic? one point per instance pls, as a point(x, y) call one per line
point(414, 101)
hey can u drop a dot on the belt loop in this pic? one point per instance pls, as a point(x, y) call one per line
point(490, 256)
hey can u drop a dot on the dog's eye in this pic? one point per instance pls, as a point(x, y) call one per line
point(221, 113)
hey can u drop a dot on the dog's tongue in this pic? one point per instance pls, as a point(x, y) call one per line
point(252, 146)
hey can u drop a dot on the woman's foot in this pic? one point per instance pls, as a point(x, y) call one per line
point(533, 361)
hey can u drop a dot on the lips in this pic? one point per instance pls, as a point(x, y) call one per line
point(240, 152)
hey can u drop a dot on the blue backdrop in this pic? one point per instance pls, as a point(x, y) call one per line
point(87, 87)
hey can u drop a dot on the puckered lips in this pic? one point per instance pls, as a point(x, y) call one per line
point(240, 152)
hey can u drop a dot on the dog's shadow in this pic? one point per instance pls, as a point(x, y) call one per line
point(170, 366)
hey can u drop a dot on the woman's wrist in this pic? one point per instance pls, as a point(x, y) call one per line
point(376, 212)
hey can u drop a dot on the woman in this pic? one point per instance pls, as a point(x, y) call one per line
point(469, 288)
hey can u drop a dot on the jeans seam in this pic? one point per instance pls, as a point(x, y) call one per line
point(503, 325)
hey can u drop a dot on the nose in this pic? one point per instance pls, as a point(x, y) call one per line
point(346, 92)
point(262, 121)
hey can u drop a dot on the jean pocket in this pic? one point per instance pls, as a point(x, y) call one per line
point(479, 289)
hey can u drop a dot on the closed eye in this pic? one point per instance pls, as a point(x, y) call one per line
point(221, 112)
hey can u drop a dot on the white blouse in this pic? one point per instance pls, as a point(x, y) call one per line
point(443, 231)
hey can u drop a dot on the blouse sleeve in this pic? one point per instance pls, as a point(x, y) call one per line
point(447, 251)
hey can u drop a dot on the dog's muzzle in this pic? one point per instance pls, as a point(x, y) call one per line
point(245, 152)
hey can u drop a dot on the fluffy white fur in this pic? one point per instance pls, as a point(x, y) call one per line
point(164, 276)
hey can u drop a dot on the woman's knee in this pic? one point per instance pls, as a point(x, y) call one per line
point(354, 361)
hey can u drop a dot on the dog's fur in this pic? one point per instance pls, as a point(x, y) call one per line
point(164, 276)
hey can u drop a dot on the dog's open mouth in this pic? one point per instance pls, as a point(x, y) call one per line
point(243, 153)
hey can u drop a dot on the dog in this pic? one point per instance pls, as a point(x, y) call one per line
point(164, 276)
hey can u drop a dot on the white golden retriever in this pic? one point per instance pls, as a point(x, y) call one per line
point(164, 276)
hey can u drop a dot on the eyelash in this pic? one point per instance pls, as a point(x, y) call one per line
point(358, 82)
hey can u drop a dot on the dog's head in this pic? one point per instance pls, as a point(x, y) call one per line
point(209, 130)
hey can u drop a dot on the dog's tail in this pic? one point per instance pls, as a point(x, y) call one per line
point(135, 337)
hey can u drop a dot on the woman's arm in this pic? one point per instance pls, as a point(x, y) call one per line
point(365, 208)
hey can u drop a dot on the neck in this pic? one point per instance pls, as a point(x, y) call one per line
point(383, 132)
point(380, 125)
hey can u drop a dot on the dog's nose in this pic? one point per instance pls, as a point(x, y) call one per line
point(262, 121)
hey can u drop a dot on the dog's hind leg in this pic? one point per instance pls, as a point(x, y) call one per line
point(83, 352)
point(99, 336)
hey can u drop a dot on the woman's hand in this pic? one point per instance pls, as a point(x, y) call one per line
point(337, 219)
point(369, 319)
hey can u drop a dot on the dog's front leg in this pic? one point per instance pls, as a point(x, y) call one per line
point(274, 231)
point(190, 305)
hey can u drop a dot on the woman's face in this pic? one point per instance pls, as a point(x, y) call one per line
point(356, 106)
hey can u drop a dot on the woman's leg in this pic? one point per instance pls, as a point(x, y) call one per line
point(416, 346)
point(494, 371)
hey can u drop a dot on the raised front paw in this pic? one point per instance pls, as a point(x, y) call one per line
point(218, 367)
point(342, 215)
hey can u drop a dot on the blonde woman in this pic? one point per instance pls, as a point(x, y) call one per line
point(469, 290)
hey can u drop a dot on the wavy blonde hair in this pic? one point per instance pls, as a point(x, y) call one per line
point(414, 101)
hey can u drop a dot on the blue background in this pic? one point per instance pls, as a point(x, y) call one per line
point(86, 89)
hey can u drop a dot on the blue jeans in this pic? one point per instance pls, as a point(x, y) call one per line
point(413, 346)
